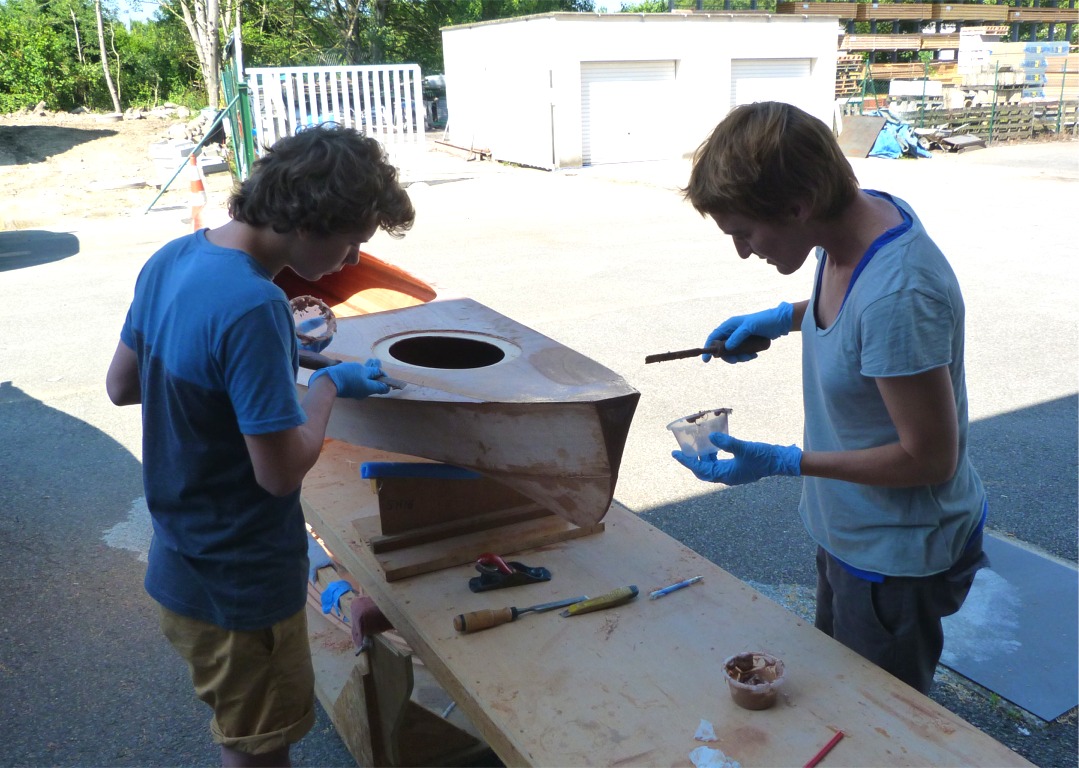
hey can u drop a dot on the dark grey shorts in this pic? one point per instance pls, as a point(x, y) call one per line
point(896, 623)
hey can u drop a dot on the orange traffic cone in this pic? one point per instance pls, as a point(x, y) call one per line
point(198, 192)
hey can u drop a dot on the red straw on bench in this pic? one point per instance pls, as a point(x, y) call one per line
point(825, 750)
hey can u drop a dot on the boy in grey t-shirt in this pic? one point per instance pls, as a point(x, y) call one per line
point(888, 492)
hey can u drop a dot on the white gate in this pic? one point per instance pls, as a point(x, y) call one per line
point(384, 102)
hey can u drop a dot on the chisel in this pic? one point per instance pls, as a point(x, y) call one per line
point(607, 600)
point(485, 619)
point(750, 346)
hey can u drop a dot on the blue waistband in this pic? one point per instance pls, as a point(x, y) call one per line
point(877, 578)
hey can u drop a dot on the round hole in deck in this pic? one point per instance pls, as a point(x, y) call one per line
point(446, 352)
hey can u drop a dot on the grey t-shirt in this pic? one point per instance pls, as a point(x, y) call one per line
point(903, 315)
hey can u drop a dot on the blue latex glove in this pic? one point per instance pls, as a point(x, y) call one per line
point(331, 595)
point(751, 461)
point(771, 323)
point(353, 379)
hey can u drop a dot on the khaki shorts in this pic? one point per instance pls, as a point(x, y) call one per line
point(260, 685)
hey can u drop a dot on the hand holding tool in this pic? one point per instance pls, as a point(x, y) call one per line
point(750, 346)
point(355, 380)
point(487, 618)
point(771, 324)
point(607, 600)
point(751, 461)
point(313, 361)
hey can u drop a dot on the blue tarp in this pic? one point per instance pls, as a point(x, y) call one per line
point(896, 139)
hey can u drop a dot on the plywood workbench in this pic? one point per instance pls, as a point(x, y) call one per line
point(629, 685)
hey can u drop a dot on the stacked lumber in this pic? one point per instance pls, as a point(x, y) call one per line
point(842, 10)
point(1062, 77)
point(911, 42)
point(898, 11)
point(913, 70)
point(948, 41)
point(963, 11)
point(1060, 15)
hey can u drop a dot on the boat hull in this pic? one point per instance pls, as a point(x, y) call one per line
point(489, 394)
point(370, 286)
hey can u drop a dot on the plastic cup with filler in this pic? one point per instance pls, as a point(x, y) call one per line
point(692, 431)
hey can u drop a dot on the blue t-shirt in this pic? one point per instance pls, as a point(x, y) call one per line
point(216, 350)
point(903, 315)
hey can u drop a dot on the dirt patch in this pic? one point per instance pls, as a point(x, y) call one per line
point(58, 166)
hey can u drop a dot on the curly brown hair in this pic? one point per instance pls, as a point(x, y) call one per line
point(324, 180)
point(764, 158)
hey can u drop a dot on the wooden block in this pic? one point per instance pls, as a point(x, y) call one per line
point(408, 503)
point(436, 555)
point(453, 528)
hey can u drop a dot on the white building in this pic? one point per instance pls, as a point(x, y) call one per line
point(569, 89)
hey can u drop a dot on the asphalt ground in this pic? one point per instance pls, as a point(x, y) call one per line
point(607, 260)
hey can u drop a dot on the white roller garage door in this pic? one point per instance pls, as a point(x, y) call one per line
point(627, 109)
point(770, 80)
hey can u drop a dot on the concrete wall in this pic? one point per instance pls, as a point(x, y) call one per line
point(514, 86)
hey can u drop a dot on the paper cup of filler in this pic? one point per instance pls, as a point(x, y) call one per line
point(692, 431)
point(753, 678)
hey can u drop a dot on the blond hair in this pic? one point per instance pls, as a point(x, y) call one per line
point(765, 158)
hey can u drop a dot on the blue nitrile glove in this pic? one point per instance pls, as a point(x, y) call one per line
point(331, 596)
point(751, 461)
point(353, 379)
point(771, 323)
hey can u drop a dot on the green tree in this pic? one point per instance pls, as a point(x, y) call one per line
point(36, 58)
point(304, 32)
point(160, 65)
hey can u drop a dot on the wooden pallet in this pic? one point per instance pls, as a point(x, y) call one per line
point(849, 73)
point(1004, 123)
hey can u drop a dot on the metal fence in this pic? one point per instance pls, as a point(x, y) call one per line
point(385, 102)
point(997, 106)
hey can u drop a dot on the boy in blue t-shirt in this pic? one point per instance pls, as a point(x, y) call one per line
point(888, 492)
point(209, 350)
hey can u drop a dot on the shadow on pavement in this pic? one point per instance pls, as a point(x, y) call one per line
point(30, 247)
point(1027, 460)
point(85, 676)
point(24, 144)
